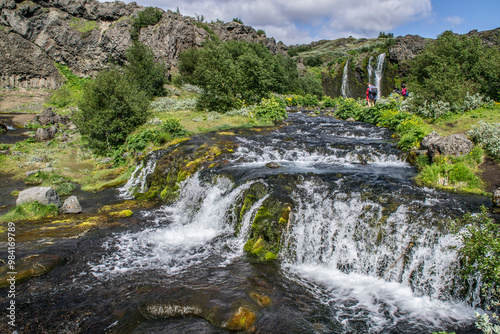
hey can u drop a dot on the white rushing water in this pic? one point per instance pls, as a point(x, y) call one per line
point(382, 267)
point(344, 89)
point(182, 235)
point(137, 181)
point(379, 72)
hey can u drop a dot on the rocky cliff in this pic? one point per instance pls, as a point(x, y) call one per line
point(86, 35)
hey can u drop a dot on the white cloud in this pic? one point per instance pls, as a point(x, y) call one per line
point(303, 21)
point(454, 20)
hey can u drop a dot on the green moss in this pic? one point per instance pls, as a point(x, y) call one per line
point(83, 26)
point(33, 210)
point(121, 214)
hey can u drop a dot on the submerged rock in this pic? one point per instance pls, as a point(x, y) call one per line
point(29, 267)
point(272, 164)
point(71, 205)
point(43, 195)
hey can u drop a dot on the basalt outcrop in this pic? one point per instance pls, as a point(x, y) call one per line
point(88, 35)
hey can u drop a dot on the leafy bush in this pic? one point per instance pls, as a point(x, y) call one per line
point(261, 32)
point(138, 141)
point(236, 19)
point(411, 130)
point(488, 135)
point(328, 102)
point(65, 188)
point(111, 108)
point(434, 110)
point(308, 101)
point(273, 109)
point(71, 91)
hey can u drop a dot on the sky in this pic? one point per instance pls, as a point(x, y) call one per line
point(304, 21)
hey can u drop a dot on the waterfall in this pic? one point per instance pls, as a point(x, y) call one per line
point(379, 73)
point(345, 84)
point(369, 69)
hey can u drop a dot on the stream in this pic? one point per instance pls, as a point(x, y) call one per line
point(365, 250)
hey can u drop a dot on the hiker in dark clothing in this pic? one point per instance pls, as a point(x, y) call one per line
point(371, 95)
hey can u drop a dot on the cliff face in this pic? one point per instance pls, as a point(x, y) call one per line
point(86, 34)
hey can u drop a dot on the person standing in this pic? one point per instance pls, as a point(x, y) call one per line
point(371, 95)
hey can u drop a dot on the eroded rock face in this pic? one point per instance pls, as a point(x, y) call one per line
point(86, 34)
point(406, 47)
point(43, 195)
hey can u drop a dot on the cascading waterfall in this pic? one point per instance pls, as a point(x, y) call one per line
point(379, 72)
point(137, 181)
point(363, 240)
point(344, 89)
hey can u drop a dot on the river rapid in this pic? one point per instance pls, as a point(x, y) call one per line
point(365, 250)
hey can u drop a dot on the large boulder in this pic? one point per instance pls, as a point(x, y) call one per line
point(457, 144)
point(48, 117)
point(43, 195)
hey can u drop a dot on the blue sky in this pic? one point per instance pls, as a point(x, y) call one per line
point(305, 21)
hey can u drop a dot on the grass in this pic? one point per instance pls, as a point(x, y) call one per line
point(461, 123)
point(83, 26)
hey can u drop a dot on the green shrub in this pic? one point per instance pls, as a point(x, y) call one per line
point(111, 108)
point(328, 102)
point(65, 188)
point(273, 109)
point(140, 140)
point(148, 17)
point(173, 127)
point(261, 32)
point(309, 101)
point(347, 108)
point(313, 61)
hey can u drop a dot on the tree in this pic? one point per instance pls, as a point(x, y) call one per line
point(453, 65)
point(143, 71)
point(110, 109)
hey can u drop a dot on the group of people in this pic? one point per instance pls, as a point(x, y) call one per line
point(372, 93)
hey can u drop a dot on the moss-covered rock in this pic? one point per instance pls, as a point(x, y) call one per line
point(243, 319)
point(267, 228)
point(121, 214)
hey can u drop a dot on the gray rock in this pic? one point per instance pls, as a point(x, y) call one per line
point(457, 144)
point(42, 134)
point(350, 119)
point(48, 116)
point(407, 47)
point(496, 197)
point(71, 205)
point(43, 195)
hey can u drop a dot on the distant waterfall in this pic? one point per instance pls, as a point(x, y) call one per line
point(344, 89)
point(369, 68)
point(379, 73)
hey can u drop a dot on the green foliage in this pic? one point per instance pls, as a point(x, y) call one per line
point(148, 17)
point(480, 249)
point(111, 108)
point(313, 61)
point(173, 127)
point(71, 91)
point(235, 73)
point(450, 172)
point(294, 51)
point(273, 109)
point(144, 72)
point(384, 35)
point(65, 188)
point(261, 32)
point(453, 65)
point(487, 135)
point(236, 19)
point(33, 210)
point(173, 104)
point(347, 108)
point(310, 84)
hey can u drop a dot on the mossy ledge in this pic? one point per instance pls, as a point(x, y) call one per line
point(181, 161)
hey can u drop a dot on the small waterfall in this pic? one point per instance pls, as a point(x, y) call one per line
point(137, 181)
point(369, 69)
point(379, 72)
point(345, 84)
